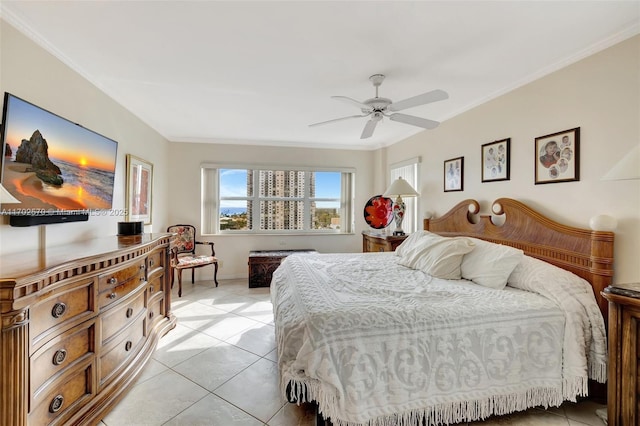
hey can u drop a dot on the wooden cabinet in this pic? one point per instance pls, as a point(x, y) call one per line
point(623, 407)
point(79, 322)
point(263, 263)
point(380, 242)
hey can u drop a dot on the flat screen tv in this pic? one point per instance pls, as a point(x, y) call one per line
point(53, 170)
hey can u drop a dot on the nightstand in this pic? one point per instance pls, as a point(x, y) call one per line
point(380, 242)
point(623, 404)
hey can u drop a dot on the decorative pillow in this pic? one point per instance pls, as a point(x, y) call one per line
point(438, 256)
point(410, 242)
point(490, 264)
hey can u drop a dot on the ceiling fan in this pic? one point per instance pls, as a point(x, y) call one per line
point(379, 107)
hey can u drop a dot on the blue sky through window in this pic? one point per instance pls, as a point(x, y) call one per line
point(233, 183)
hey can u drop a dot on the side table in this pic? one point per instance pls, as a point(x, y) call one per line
point(623, 404)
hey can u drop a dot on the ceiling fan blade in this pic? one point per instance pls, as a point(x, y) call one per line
point(414, 121)
point(425, 98)
point(337, 119)
point(369, 128)
point(352, 102)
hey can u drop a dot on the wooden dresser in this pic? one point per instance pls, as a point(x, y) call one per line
point(79, 322)
point(380, 242)
point(623, 407)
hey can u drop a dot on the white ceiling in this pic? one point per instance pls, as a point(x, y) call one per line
point(262, 71)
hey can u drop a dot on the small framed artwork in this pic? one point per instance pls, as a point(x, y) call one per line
point(139, 182)
point(495, 158)
point(557, 157)
point(454, 174)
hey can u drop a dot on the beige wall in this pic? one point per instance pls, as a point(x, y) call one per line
point(29, 72)
point(601, 95)
point(233, 250)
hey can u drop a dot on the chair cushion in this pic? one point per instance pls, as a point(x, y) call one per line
point(188, 261)
point(183, 238)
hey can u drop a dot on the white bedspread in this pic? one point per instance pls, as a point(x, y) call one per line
point(377, 343)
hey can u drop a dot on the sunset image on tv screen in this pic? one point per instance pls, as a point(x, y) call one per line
point(52, 164)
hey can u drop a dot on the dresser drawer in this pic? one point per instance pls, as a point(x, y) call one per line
point(155, 310)
point(60, 309)
point(119, 283)
point(59, 354)
point(120, 316)
point(122, 276)
point(118, 352)
point(155, 262)
point(154, 286)
point(64, 395)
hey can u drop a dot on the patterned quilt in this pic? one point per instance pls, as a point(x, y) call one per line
point(377, 343)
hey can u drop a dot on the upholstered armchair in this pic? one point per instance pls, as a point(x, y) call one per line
point(183, 254)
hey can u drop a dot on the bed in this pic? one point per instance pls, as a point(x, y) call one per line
point(467, 319)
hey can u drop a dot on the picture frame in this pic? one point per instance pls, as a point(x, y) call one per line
point(496, 160)
point(139, 189)
point(557, 157)
point(454, 174)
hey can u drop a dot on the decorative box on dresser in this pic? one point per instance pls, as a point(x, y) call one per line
point(380, 242)
point(623, 407)
point(79, 322)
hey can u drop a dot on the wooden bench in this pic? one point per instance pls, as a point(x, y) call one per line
point(262, 263)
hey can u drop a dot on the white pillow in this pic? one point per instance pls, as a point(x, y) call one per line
point(490, 264)
point(409, 242)
point(438, 256)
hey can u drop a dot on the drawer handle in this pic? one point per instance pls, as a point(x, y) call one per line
point(56, 404)
point(112, 295)
point(151, 262)
point(127, 346)
point(58, 310)
point(129, 312)
point(142, 267)
point(112, 280)
point(151, 289)
point(141, 277)
point(150, 314)
point(59, 356)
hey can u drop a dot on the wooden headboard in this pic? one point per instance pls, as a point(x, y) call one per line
point(586, 253)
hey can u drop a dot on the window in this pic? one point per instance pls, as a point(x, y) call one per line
point(261, 200)
point(409, 171)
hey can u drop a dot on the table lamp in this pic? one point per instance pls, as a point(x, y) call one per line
point(399, 188)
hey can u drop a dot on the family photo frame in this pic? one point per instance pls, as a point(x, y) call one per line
point(496, 160)
point(454, 174)
point(139, 183)
point(557, 157)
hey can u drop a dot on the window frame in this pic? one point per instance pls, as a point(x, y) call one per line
point(210, 200)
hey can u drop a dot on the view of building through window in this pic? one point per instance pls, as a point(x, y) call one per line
point(287, 200)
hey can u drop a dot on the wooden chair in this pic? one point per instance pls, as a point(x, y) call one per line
point(183, 254)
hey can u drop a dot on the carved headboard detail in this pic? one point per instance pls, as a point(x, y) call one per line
point(586, 253)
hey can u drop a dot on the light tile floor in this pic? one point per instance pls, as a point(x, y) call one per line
point(218, 367)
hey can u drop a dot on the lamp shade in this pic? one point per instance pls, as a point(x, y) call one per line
point(400, 188)
point(627, 168)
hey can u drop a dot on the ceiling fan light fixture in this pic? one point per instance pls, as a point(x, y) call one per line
point(379, 107)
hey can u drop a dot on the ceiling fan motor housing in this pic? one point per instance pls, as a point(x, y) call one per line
point(376, 104)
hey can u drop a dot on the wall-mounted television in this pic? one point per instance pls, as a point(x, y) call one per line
point(56, 170)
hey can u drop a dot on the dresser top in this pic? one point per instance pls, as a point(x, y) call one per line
point(16, 265)
point(625, 289)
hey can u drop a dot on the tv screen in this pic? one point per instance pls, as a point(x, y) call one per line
point(52, 166)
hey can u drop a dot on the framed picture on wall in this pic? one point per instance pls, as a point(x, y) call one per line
point(139, 182)
point(557, 157)
point(496, 160)
point(454, 174)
